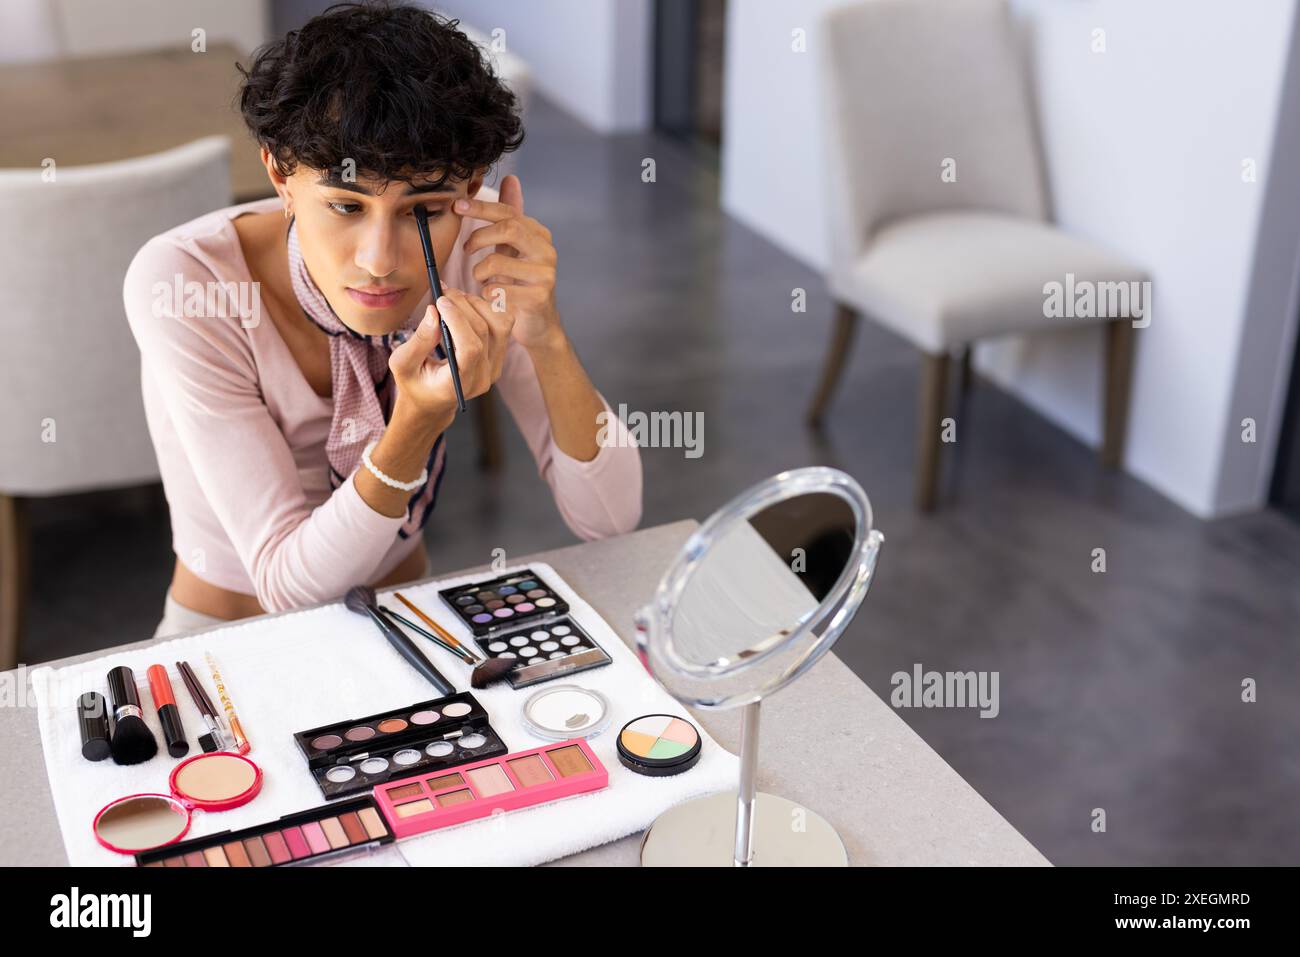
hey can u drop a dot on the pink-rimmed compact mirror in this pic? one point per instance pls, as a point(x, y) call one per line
point(207, 782)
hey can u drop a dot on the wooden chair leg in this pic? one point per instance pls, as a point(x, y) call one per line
point(491, 456)
point(934, 388)
point(846, 321)
point(1119, 374)
point(13, 578)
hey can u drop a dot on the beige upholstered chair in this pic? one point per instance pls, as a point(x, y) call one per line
point(937, 202)
point(71, 414)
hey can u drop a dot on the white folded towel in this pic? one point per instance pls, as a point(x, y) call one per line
point(308, 668)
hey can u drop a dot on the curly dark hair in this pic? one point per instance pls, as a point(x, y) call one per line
point(397, 89)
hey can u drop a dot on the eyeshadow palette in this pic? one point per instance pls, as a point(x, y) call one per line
point(478, 790)
point(306, 837)
point(349, 757)
point(545, 650)
point(506, 602)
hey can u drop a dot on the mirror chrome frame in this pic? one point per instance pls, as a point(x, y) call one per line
point(654, 621)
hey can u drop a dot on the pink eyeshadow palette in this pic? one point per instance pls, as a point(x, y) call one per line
point(505, 602)
point(545, 650)
point(351, 757)
point(474, 791)
point(323, 833)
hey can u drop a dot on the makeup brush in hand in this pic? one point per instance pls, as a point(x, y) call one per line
point(132, 740)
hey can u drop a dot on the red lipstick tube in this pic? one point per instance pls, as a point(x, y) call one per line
point(169, 715)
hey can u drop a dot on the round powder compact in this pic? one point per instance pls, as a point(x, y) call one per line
point(566, 711)
point(658, 745)
point(214, 781)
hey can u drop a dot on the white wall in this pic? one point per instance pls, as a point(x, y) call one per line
point(771, 137)
point(1143, 146)
point(1269, 342)
point(91, 27)
point(591, 57)
point(31, 32)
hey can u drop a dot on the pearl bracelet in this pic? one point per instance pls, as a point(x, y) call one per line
point(388, 480)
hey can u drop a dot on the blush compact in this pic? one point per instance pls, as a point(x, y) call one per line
point(218, 781)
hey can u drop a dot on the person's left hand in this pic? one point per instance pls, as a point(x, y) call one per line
point(519, 275)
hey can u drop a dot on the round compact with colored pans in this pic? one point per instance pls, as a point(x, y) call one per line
point(659, 745)
point(217, 781)
point(566, 711)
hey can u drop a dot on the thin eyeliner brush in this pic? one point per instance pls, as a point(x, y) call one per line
point(486, 670)
point(446, 646)
point(435, 286)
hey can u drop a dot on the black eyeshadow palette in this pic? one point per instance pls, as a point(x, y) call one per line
point(504, 603)
point(351, 757)
point(545, 650)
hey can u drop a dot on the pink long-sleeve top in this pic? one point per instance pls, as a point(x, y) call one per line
point(240, 434)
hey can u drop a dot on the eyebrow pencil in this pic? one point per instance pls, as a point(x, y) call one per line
point(435, 286)
point(215, 739)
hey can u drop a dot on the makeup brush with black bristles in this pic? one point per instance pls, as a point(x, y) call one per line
point(361, 599)
point(132, 741)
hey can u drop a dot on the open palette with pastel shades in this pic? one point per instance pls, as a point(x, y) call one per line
point(659, 736)
point(477, 790)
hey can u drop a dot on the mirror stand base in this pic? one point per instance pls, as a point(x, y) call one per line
point(702, 833)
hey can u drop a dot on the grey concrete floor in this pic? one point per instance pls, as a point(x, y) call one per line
point(1119, 691)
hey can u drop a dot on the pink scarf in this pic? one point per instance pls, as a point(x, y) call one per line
point(363, 391)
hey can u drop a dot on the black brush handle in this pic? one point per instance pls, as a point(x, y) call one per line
point(431, 264)
point(435, 287)
point(406, 648)
point(460, 653)
point(123, 693)
point(452, 364)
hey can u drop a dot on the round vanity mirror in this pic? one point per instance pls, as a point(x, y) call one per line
point(757, 595)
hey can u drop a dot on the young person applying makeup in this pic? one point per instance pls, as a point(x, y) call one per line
point(302, 443)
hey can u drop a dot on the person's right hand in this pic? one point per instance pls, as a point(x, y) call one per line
point(481, 336)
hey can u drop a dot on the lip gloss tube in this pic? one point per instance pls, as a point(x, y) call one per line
point(169, 715)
